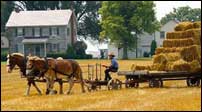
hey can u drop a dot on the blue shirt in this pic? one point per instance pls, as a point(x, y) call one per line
point(114, 63)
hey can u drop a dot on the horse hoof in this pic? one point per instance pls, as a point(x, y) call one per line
point(26, 94)
point(53, 92)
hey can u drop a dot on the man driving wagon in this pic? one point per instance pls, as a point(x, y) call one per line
point(112, 68)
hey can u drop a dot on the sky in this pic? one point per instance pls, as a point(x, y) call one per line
point(164, 7)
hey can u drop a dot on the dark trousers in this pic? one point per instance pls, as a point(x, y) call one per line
point(107, 76)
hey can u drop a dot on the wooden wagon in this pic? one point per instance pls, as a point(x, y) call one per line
point(95, 80)
point(156, 78)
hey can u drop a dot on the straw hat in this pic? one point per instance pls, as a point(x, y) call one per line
point(111, 54)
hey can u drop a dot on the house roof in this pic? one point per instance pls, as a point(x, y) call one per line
point(39, 18)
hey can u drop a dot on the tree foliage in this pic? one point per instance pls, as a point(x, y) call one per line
point(6, 9)
point(80, 47)
point(183, 14)
point(120, 18)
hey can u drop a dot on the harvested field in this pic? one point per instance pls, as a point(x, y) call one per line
point(175, 95)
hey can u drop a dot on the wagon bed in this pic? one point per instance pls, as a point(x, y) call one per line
point(156, 78)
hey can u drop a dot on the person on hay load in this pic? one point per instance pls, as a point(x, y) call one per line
point(112, 68)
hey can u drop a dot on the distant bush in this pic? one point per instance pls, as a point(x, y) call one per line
point(4, 53)
point(146, 54)
point(56, 55)
point(3, 56)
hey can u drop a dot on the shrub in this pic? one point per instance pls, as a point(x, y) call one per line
point(153, 47)
point(146, 54)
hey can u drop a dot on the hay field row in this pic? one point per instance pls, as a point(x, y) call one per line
point(174, 96)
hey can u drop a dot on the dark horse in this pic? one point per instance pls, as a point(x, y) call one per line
point(19, 60)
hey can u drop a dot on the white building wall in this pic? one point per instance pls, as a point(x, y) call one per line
point(112, 48)
point(168, 27)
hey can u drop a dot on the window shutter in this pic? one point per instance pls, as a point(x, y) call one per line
point(50, 31)
point(57, 30)
point(16, 32)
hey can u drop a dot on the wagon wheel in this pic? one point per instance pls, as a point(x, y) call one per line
point(92, 87)
point(193, 82)
point(160, 83)
point(155, 83)
point(134, 83)
point(114, 84)
point(127, 85)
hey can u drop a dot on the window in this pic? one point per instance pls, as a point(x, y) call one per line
point(28, 32)
point(54, 31)
point(45, 31)
point(20, 32)
point(162, 34)
point(37, 32)
point(54, 46)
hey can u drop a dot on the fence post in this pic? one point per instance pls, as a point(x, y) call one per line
point(100, 71)
point(88, 72)
point(96, 71)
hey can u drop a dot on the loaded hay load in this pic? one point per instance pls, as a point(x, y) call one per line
point(183, 26)
point(181, 50)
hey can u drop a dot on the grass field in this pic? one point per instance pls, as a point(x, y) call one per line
point(174, 96)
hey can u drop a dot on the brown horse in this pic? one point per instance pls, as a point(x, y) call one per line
point(57, 69)
point(19, 60)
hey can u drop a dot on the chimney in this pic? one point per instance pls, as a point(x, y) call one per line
point(17, 10)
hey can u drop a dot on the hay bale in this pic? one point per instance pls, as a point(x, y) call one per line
point(195, 34)
point(181, 65)
point(175, 35)
point(191, 53)
point(168, 50)
point(195, 66)
point(172, 56)
point(197, 24)
point(183, 26)
point(159, 59)
point(135, 67)
point(178, 42)
point(169, 66)
point(166, 57)
point(159, 50)
point(158, 67)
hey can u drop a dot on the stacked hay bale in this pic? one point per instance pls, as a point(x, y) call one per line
point(181, 50)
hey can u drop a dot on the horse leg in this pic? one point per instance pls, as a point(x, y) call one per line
point(28, 88)
point(34, 84)
point(61, 85)
point(51, 87)
point(71, 84)
point(82, 83)
point(47, 85)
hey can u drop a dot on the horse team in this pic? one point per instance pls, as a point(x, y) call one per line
point(48, 68)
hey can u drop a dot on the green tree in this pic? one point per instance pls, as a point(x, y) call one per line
point(80, 48)
point(120, 18)
point(6, 8)
point(183, 14)
point(153, 47)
